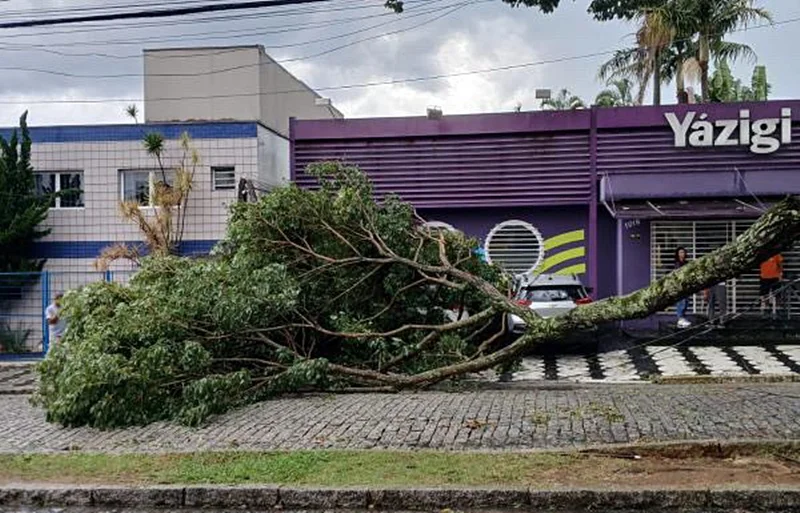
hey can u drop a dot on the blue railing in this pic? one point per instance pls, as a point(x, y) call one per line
point(24, 298)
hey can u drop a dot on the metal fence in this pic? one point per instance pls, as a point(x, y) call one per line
point(24, 297)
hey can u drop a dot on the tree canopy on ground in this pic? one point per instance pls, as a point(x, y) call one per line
point(322, 290)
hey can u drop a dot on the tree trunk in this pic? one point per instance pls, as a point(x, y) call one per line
point(704, 81)
point(703, 58)
point(774, 232)
point(680, 84)
point(657, 77)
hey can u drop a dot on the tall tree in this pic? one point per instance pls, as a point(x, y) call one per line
point(21, 210)
point(712, 20)
point(659, 52)
point(564, 100)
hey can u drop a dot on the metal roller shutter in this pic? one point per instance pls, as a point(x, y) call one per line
point(700, 238)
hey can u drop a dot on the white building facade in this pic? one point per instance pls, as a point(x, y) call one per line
point(228, 101)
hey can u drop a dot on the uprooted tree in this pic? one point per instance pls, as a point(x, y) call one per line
point(322, 290)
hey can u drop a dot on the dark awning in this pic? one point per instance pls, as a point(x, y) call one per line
point(722, 208)
point(697, 185)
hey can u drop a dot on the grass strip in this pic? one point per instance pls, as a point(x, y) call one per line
point(688, 466)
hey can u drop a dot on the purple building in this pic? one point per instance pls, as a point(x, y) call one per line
point(607, 194)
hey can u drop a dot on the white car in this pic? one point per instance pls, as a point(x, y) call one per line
point(548, 295)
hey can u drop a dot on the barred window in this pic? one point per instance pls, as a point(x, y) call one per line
point(223, 177)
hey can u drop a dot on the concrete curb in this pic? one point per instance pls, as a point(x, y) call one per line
point(422, 499)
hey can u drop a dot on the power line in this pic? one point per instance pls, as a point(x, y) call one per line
point(156, 13)
point(250, 33)
point(448, 11)
point(330, 88)
point(441, 76)
point(352, 5)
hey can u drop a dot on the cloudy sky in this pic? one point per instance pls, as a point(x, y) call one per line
point(346, 42)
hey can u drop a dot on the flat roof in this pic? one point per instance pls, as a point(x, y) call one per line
point(533, 121)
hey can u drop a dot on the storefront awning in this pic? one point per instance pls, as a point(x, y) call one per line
point(699, 185)
point(723, 208)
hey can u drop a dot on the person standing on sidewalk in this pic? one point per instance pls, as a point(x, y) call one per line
point(681, 259)
point(56, 324)
point(717, 297)
point(770, 282)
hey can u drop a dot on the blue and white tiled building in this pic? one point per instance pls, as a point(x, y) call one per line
point(108, 163)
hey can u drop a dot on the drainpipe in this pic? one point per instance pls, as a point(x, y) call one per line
point(292, 172)
point(593, 206)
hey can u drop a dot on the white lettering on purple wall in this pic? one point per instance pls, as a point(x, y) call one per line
point(760, 135)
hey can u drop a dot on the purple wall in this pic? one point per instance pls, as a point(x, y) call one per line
point(550, 221)
point(464, 171)
point(633, 255)
point(544, 167)
point(606, 255)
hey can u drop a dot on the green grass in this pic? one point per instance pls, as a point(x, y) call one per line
point(688, 465)
point(323, 468)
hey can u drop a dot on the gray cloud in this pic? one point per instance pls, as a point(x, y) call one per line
point(483, 35)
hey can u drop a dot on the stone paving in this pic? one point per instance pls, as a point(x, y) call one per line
point(17, 377)
point(513, 418)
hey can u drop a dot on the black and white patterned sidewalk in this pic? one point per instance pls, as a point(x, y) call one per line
point(645, 362)
point(636, 364)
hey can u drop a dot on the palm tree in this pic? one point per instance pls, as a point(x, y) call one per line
point(628, 64)
point(657, 31)
point(659, 27)
point(680, 37)
point(564, 100)
point(711, 21)
point(618, 94)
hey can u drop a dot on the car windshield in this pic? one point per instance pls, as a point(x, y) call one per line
point(543, 294)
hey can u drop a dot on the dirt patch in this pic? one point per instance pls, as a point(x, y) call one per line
point(657, 472)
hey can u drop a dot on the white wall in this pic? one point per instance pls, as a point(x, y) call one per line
point(278, 105)
point(217, 84)
point(101, 162)
point(226, 83)
point(273, 158)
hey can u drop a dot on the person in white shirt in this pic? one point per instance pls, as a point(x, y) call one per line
point(56, 324)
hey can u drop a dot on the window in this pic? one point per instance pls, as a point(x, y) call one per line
point(68, 185)
point(545, 294)
point(137, 184)
point(223, 177)
point(516, 246)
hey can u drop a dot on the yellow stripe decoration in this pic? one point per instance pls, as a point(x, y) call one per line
point(564, 239)
point(573, 269)
point(559, 258)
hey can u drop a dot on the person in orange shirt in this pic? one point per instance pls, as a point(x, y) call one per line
point(771, 276)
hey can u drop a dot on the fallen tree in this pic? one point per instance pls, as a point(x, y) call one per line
point(322, 290)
